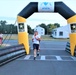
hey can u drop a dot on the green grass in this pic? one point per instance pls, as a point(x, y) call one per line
point(45, 37)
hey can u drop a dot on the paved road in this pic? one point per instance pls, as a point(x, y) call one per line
point(53, 60)
point(11, 42)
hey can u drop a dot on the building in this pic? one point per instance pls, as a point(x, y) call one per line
point(40, 30)
point(61, 32)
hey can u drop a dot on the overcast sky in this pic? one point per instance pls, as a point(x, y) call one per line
point(10, 8)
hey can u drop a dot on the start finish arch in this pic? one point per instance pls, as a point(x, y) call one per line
point(32, 7)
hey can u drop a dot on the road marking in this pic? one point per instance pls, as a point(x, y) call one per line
point(42, 58)
point(58, 58)
point(27, 57)
point(53, 55)
point(74, 58)
point(50, 49)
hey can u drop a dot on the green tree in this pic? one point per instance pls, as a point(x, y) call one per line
point(0, 29)
point(30, 31)
point(13, 29)
point(50, 27)
point(7, 28)
point(57, 24)
point(2, 23)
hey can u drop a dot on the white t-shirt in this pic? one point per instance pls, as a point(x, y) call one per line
point(35, 41)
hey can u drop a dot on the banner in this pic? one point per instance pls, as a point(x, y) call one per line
point(46, 6)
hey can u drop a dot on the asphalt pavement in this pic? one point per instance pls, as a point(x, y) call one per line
point(53, 60)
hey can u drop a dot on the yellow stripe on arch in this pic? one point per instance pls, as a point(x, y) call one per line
point(72, 43)
point(23, 39)
point(72, 19)
point(20, 19)
point(23, 36)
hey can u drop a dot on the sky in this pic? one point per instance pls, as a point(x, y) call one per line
point(9, 10)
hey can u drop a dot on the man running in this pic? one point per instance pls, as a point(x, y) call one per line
point(39, 44)
point(35, 40)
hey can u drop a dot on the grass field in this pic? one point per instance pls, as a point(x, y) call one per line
point(45, 37)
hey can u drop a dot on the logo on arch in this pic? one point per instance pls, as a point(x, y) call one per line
point(45, 3)
point(46, 6)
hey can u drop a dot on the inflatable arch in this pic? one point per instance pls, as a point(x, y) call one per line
point(32, 7)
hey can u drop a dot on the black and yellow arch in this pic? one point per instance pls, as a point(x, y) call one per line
point(32, 7)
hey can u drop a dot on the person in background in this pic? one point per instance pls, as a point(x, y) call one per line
point(35, 40)
point(1, 38)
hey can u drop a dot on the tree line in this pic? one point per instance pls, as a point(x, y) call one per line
point(7, 28)
point(48, 28)
point(12, 29)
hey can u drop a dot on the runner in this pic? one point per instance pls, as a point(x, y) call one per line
point(38, 51)
point(35, 40)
